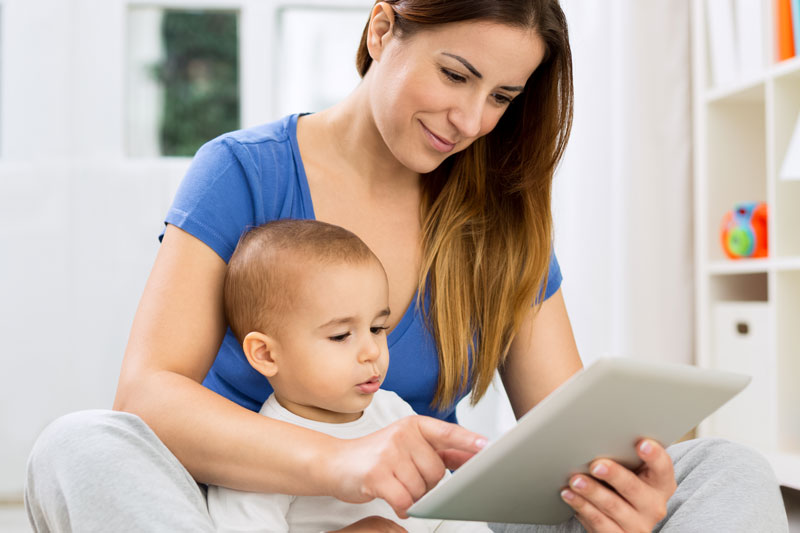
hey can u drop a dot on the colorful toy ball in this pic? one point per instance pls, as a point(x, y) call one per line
point(744, 231)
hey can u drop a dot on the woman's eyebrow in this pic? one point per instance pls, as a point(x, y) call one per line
point(465, 63)
point(468, 65)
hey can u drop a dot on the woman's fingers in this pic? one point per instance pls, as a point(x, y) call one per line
point(632, 501)
point(594, 498)
point(658, 470)
point(656, 478)
point(638, 494)
point(590, 517)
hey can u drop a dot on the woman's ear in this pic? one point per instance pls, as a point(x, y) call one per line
point(381, 24)
point(260, 352)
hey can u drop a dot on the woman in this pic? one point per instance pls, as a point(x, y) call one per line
point(441, 161)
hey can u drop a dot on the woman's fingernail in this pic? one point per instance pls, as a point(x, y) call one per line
point(600, 469)
point(567, 495)
point(481, 443)
point(645, 447)
point(578, 483)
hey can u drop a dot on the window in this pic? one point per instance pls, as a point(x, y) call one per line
point(317, 52)
point(183, 79)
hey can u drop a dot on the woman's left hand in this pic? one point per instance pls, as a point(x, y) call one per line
point(638, 500)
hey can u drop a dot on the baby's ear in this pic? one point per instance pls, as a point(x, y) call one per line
point(259, 350)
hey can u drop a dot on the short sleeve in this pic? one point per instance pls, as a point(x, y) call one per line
point(215, 201)
point(553, 277)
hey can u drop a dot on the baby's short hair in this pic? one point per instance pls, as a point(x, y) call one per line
point(261, 276)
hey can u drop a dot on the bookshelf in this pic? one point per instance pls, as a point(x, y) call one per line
point(748, 310)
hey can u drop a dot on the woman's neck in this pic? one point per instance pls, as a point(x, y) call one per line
point(349, 129)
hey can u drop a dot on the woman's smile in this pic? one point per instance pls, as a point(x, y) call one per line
point(440, 144)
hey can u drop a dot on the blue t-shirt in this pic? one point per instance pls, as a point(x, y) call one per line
point(247, 178)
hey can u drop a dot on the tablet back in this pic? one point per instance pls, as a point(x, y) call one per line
point(601, 411)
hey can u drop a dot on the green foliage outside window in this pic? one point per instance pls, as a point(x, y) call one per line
point(200, 76)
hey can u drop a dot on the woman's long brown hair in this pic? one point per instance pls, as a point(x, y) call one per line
point(486, 219)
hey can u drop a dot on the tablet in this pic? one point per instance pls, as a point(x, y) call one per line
point(601, 411)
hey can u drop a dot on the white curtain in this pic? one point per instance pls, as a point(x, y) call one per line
point(623, 194)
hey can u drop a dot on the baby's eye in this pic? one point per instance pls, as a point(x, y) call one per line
point(339, 338)
point(377, 330)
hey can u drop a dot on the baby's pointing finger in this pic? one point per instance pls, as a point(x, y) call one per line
point(446, 436)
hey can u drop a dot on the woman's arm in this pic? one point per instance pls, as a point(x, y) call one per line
point(176, 334)
point(542, 356)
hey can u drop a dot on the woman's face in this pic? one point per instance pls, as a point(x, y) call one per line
point(432, 94)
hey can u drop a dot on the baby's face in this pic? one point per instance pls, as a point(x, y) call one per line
point(332, 348)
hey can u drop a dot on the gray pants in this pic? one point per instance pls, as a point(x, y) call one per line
point(107, 471)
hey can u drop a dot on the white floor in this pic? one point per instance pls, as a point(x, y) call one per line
point(13, 518)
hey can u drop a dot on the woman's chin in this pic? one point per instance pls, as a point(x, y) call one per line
point(424, 163)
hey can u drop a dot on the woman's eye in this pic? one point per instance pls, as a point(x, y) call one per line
point(452, 76)
point(377, 330)
point(502, 99)
point(340, 338)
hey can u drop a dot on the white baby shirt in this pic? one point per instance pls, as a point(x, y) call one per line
point(239, 511)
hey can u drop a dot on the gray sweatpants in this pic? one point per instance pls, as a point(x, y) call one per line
point(107, 471)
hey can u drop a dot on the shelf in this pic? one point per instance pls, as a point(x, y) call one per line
point(788, 263)
point(790, 67)
point(751, 266)
point(750, 90)
point(739, 266)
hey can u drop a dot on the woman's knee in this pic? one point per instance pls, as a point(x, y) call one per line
point(94, 468)
point(717, 455)
point(77, 438)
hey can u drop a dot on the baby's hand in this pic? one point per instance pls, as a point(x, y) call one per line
point(372, 524)
point(398, 463)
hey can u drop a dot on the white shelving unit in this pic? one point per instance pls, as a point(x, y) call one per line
point(741, 134)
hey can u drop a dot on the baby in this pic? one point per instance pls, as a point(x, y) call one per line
point(309, 303)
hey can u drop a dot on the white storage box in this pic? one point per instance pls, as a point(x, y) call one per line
point(741, 343)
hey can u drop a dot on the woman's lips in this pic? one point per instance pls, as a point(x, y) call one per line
point(371, 386)
point(437, 142)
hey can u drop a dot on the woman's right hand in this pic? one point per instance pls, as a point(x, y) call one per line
point(372, 524)
point(398, 463)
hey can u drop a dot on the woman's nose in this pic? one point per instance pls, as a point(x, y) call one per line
point(467, 116)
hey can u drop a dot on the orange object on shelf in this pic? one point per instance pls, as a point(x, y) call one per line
point(783, 20)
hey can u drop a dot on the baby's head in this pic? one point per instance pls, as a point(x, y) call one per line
point(309, 302)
